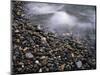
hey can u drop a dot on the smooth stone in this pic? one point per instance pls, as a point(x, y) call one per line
point(39, 27)
point(59, 56)
point(43, 39)
point(16, 31)
point(37, 62)
point(43, 57)
point(79, 64)
point(40, 70)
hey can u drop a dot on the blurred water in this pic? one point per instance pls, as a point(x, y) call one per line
point(76, 20)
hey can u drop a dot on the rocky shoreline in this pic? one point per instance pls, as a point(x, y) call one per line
point(36, 51)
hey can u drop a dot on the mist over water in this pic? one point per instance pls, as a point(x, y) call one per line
point(61, 18)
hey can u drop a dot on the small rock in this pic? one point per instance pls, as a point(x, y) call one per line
point(59, 56)
point(18, 40)
point(20, 48)
point(23, 15)
point(72, 54)
point(29, 55)
point(18, 13)
point(41, 50)
point(43, 57)
point(19, 69)
point(40, 70)
point(43, 39)
point(79, 64)
point(54, 57)
point(44, 61)
point(14, 57)
point(39, 27)
point(25, 49)
point(62, 67)
point(22, 64)
point(65, 58)
point(16, 31)
point(37, 62)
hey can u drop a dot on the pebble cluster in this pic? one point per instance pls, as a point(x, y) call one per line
point(34, 50)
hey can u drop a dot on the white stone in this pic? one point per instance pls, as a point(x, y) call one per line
point(37, 62)
point(22, 65)
point(59, 56)
point(40, 70)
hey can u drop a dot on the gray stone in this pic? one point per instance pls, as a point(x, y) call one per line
point(39, 27)
point(29, 55)
point(43, 57)
point(79, 64)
